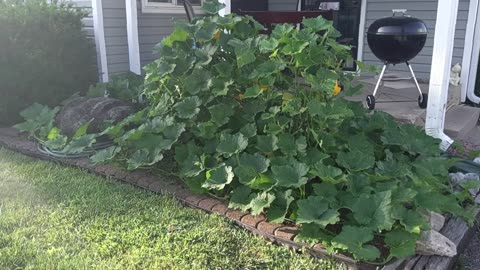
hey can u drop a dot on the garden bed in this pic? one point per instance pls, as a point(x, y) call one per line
point(455, 229)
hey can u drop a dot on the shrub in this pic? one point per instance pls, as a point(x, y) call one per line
point(45, 55)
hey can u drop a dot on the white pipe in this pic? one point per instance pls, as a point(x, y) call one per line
point(132, 37)
point(472, 71)
point(469, 53)
point(440, 72)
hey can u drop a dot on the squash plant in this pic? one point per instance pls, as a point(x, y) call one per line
point(257, 119)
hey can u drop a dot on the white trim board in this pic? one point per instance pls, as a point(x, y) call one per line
point(471, 53)
point(100, 46)
point(132, 35)
point(167, 8)
point(361, 30)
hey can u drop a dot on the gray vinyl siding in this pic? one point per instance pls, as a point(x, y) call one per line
point(116, 41)
point(88, 25)
point(152, 28)
point(282, 5)
point(425, 10)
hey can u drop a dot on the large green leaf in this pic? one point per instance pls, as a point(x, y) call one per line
point(293, 175)
point(232, 144)
point(279, 208)
point(82, 130)
point(355, 160)
point(260, 202)
point(218, 178)
point(313, 234)
point(354, 239)
point(286, 144)
point(188, 107)
point(401, 243)
point(241, 198)
point(316, 210)
point(178, 35)
point(221, 113)
point(79, 144)
point(374, 211)
point(199, 80)
point(317, 24)
point(267, 143)
point(105, 155)
point(411, 220)
point(144, 158)
point(327, 173)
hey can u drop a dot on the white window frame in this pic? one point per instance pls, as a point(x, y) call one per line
point(155, 7)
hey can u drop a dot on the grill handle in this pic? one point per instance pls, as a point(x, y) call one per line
point(396, 11)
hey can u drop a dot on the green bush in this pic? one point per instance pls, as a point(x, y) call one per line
point(45, 55)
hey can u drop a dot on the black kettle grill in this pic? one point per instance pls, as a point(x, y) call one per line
point(395, 40)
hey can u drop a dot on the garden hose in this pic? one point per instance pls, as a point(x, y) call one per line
point(86, 153)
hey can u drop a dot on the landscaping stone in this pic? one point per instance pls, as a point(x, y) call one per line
point(252, 221)
point(220, 209)
point(208, 204)
point(434, 243)
point(235, 214)
point(477, 160)
point(458, 178)
point(287, 232)
point(436, 220)
point(267, 228)
point(97, 110)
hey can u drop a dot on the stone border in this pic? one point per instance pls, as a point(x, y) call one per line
point(280, 234)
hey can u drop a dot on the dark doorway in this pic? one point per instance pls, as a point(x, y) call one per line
point(346, 20)
point(250, 5)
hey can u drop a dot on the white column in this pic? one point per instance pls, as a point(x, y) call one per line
point(132, 34)
point(228, 7)
point(99, 31)
point(471, 53)
point(440, 73)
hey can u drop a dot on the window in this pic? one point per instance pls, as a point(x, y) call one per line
point(168, 6)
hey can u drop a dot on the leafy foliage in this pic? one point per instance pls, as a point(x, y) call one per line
point(45, 55)
point(128, 87)
point(258, 119)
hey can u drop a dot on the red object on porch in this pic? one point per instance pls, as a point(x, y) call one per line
point(267, 18)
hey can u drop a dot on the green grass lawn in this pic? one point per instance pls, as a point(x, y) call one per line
point(54, 217)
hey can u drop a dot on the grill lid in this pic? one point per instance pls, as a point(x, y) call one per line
point(398, 25)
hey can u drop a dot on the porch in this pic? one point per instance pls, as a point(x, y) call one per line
point(399, 99)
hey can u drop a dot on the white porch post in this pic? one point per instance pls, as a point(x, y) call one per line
point(440, 73)
point(99, 30)
point(132, 34)
point(228, 7)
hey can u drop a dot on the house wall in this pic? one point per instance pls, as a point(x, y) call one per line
point(152, 28)
point(115, 24)
point(425, 10)
point(88, 23)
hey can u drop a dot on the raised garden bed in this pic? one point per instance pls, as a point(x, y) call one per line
point(283, 234)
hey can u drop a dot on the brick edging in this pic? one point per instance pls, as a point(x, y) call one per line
point(276, 233)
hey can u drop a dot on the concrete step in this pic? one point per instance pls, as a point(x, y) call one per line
point(460, 120)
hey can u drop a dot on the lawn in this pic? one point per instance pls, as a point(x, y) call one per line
point(54, 217)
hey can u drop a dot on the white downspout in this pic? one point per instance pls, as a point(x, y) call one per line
point(470, 54)
point(132, 36)
point(228, 8)
point(440, 73)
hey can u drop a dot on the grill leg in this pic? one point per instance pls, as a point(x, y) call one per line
point(380, 79)
point(414, 79)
